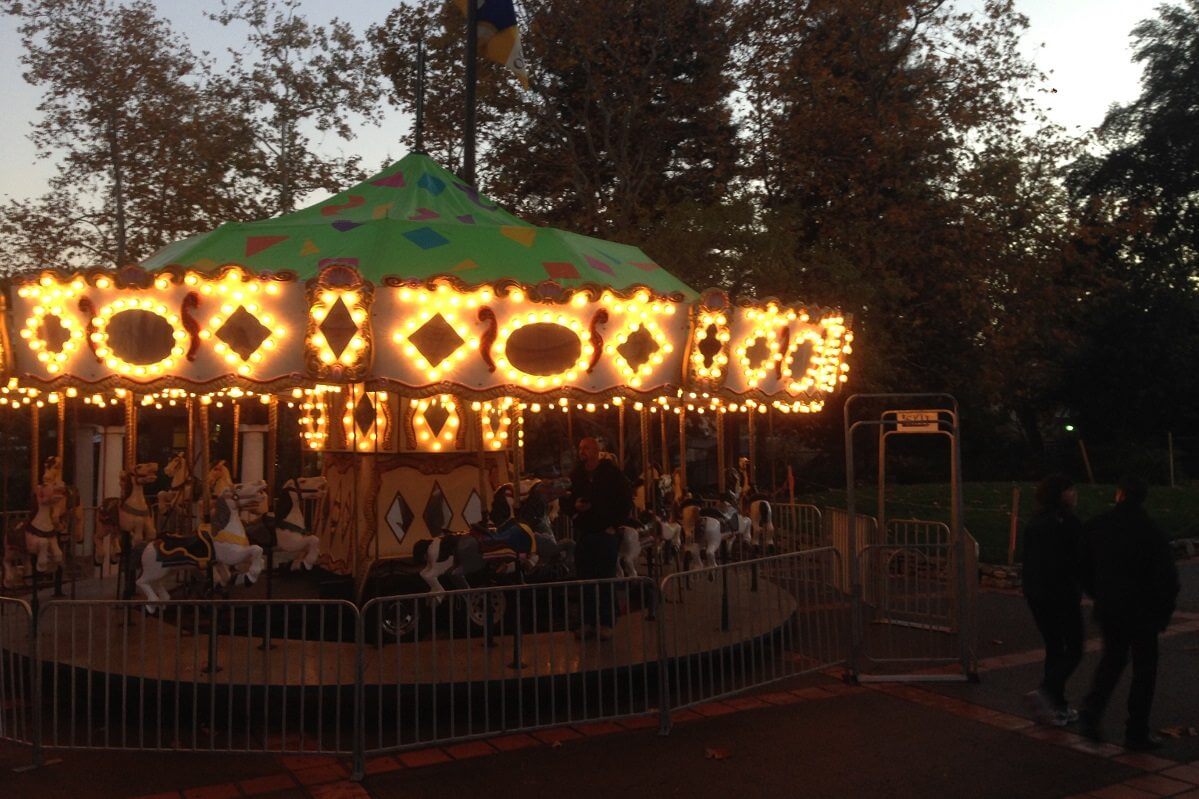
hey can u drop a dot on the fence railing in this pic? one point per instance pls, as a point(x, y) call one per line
point(799, 527)
point(417, 670)
point(739, 625)
point(482, 661)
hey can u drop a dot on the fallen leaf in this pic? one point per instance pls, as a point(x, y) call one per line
point(556, 745)
point(997, 641)
point(716, 753)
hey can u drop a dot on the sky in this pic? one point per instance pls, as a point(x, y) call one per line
point(1083, 44)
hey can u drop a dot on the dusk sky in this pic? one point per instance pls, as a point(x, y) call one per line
point(1085, 44)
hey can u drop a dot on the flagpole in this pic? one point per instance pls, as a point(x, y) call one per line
point(472, 47)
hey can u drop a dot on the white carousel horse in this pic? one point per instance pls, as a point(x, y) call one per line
point(219, 479)
point(706, 529)
point(134, 514)
point(503, 505)
point(292, 534)
point(652, 491)
point(761, 520)
point(228, 547)
point(635, 538)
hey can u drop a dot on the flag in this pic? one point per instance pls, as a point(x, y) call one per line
point(499, 38)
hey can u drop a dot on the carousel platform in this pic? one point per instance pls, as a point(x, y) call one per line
point(312, 643)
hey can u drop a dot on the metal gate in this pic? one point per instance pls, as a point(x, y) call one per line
point(914, 584)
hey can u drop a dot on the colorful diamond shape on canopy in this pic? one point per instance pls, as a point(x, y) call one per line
point(416, 220)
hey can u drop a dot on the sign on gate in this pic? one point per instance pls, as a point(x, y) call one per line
point(917, 421)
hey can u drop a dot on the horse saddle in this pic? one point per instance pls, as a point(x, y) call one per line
point(38, 532)
point(728, 524)
point(185, 550)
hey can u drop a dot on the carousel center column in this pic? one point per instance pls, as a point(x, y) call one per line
point(253, 451)
point(112, 460)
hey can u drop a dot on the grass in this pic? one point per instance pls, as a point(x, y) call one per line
point(988, 508)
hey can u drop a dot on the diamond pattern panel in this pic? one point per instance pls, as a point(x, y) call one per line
point(399, 517)
point(364, 413)
point(338, 327)
point(436, 340)
point(638, 348)
point(436, 416)
point(437, 514)
point(472, 511)
point(243, 333)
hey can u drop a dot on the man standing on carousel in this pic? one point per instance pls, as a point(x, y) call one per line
point(601, 498)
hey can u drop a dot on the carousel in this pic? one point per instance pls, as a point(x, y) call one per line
point(342, 387)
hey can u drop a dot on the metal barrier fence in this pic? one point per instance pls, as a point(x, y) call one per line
point(417, 670)
point(799, 527)
point(836, 531)
point(483, 661)
point(740, 625)
point(17, 698)
point(918, 602)
point(231, 676)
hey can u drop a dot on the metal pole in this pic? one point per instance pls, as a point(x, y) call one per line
point(236, 437)
point(855, 583)
point(468, 132)
point(272, 442)
point(35, 449)
point(60, 449)
point(665, 444)
point(620, 435)
point(752, 431)
point(130, 432)
point(205, 462)
point(683, 447)
point(648, 490)
point(721, 483)
point(774, 455)
point(1086, 461)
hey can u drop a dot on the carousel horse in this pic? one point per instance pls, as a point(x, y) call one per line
point(175, 503)
point(546, 491)
point(761, 520)
point(709, 529)
point(291, 532)
point(651, 491)
point(134, 514)
point(228, 547)
point(37, 537)
point(635, 539)
point(517, 542)
point(219, 479)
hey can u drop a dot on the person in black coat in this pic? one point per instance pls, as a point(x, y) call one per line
point(1130, 573)
point(601, 498)
point(1051, 588)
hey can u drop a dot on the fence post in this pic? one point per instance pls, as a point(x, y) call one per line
point(664, 722)
point(1014, 525)
point(1170, 449)
point(358, 739)
point(35, 667)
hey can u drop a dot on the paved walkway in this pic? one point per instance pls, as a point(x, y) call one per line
point(816, 737)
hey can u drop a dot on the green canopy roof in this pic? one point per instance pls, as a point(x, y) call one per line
point(416, 220)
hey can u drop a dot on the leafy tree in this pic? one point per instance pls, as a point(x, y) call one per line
point(1140, 191)
point(295, 78)
point(1146, 182)
point(628, 120)
point(148, 152)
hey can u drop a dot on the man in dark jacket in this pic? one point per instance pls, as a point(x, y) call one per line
point(1128, 569)
point(601, 498)
point(1050, 578)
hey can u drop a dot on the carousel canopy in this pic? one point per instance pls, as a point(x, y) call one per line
point(413, 286)
point(416, 220)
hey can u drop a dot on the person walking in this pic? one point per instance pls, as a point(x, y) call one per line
point(1051, 588)
point(601, 498)
point(1128, 569)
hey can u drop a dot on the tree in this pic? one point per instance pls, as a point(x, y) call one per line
point(148, 152)
point(1147, 180)
point(298, 77)
point(1141, 192)
point(628, 120)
